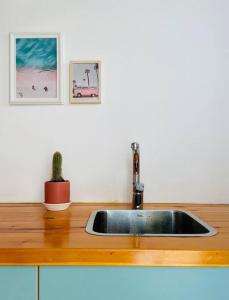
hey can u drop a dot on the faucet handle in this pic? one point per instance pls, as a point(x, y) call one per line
point(139, 187)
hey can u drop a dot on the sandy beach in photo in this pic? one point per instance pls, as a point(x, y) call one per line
point(36, 83)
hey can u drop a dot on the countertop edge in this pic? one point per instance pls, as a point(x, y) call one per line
point(113, 257)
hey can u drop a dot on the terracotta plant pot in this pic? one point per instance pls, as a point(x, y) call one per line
point(57, 192)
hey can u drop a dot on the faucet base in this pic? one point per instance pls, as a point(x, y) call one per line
point(137, 200)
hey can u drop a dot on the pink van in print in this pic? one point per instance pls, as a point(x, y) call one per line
point(85, 92)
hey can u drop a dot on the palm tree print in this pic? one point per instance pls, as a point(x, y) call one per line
point(96, 68)
point(73, 85)
point(87, 71)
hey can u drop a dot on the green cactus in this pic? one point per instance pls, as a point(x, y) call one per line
point(57, 167)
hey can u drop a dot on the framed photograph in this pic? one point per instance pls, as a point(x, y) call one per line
point(35, 68)
point(85, 82)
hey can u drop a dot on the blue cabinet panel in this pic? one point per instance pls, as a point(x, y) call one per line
point(18, 283)
point(133, 283)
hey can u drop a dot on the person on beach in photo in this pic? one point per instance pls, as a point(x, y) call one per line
point(46, 89)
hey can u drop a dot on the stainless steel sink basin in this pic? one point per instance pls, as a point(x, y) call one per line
point(147, 223)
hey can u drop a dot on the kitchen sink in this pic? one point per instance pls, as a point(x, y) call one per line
point(176, 223)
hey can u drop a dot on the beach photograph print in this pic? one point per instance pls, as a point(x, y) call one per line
point(35, 69)
point(85, 82)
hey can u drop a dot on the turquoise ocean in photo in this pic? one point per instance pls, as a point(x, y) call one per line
point(36, 53)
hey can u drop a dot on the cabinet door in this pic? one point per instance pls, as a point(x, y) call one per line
point(18, 283)
point(133, 283)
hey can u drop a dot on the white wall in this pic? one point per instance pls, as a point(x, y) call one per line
point(165, 84)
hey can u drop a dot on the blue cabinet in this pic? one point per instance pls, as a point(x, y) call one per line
point(133, 283)
point(18, 283)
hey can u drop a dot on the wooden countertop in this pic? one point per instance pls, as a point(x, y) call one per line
point(31, 235)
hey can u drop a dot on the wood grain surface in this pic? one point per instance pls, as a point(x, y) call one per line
point(31, 235)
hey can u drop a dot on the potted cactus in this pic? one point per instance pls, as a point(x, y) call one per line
point(57, 190)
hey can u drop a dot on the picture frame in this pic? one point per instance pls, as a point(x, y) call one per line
point(35, 68)
point(85, 82)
